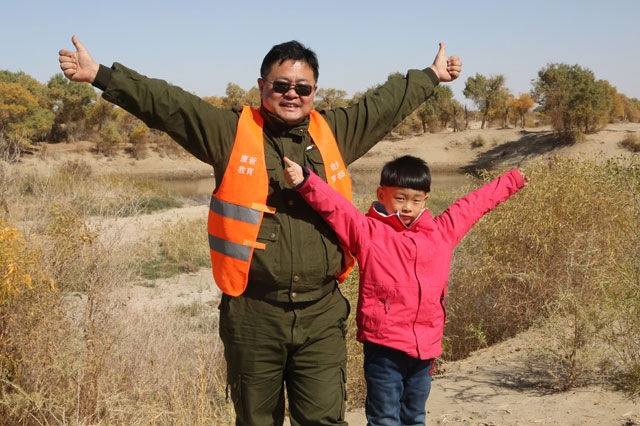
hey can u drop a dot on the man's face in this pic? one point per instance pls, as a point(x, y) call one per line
point(290, 106)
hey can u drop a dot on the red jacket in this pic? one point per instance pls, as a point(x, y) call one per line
point(404, 270)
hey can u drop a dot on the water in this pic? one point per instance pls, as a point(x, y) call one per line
point(191, 187)
point(201, 188)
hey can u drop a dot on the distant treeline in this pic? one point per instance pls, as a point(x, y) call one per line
point(567, 97)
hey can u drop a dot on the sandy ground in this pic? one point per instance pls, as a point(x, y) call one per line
point(494, 386)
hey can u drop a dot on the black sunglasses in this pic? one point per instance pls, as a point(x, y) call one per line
point(284, 86)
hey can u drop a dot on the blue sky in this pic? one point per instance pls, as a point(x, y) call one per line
point(203, 45)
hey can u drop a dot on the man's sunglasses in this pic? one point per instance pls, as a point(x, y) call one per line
point(284, 86)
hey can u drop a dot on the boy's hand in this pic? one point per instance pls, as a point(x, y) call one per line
point(293, 173)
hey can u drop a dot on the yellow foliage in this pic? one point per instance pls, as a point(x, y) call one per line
point(17, 264)
point(13, 262)
point(15, 102)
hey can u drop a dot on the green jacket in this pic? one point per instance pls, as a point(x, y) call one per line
point(302, 254)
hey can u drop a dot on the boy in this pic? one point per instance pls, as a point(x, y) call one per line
point(404, 255)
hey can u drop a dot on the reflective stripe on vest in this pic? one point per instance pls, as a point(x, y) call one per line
point(239, 203)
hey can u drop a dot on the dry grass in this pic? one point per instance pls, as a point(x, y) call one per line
point(88, 354)
point(561, 255)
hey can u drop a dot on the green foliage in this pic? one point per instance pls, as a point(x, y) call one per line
point(25, 113)
point(70, 101)
point(111, 139)
point(573, 99)
point(237, 96)
point(489, 95)
point(99, 113)
point(440, 110)
point(330, 98)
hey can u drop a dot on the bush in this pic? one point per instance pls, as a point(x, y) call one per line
point(12, 147)
point(478, 142)
point(110, 141)
point(563, 253)
point(139, 139)
point(33, 331)
point(631, 142)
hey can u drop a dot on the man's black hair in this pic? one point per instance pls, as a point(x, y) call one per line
point(407, 172)
point(290, 50)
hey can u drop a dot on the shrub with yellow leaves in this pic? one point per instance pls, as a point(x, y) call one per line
point(17, 265)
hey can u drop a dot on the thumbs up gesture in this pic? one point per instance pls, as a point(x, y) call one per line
point(446, 68)
point(292, 173)
point(78, 66)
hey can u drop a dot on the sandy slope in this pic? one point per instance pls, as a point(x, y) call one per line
point(494, 386)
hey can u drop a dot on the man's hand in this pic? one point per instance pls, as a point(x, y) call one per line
point(293, 173)
point(447, 69)
point(78, 66)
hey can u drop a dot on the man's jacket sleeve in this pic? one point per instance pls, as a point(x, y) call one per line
point(205, 131)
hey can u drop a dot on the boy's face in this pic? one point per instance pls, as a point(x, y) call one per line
point(405, 201)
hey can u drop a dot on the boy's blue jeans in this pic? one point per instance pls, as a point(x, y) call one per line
point(397, 386)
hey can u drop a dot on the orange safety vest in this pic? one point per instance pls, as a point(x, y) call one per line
point(239, 203)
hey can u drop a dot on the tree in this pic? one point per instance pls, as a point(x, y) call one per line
point(616, 113)
point(331, 98)
point(489, 95)
point(252, 97)
point(519, 107)
point(99, 112)
point(70, 101)
point(235, 96)
point(573, 99)
point(216, 101)
point(39, 90)
point(31, 97)
point(632, 109)
point(15, 102)
point(440, 110)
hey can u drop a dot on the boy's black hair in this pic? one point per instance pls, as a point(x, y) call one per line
point(407, 172)
point(290, 50)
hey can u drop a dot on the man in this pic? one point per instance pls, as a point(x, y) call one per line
point(277, 262)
